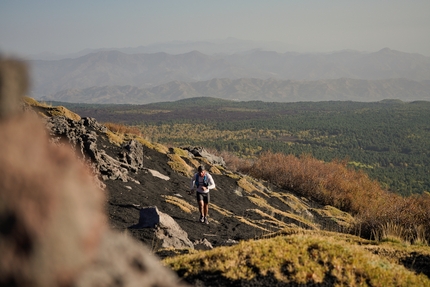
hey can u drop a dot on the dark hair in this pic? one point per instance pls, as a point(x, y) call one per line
point(201, 168)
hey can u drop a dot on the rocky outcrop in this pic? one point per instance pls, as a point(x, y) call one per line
point(201, 152)
point(83, 136)
point(165, 229)
point(132, 155)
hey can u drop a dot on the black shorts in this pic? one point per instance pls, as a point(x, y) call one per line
point(205, 197)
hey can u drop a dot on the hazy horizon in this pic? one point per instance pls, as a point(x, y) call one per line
point(64, 27)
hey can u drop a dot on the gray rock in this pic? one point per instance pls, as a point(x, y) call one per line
point(202, 244)
point(83, 137)
point(132, 154)
point(167, 231)
point(201, 152)
point(229, 242)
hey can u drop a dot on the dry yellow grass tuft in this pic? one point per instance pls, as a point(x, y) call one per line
point(182, 204)
point(180, 152)
point(305, 259)
point(115, 138)
point(299, 220)
point(246, 185)
point(179, 165)
point(48, 111)
point(214, 170)
point(155, 146)
point(341, 218)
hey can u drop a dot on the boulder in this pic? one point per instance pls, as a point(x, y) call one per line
point(166, 230)
point(132, 154)
point(201, 152)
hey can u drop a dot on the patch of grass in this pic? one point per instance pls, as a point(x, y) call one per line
point(340, 217)
point(34, 103)
point(114, 138)
point(62, 111)
point(233, 175)
point(300, 221)
point(242, 219)
point(182, 204)
point(180, 152)
point(292, 201)
point(270, 219)
point(194, 163)
point(123, 129)
point(179, 165)
point(46, 110)
point(299, 259)
point(245, 185)
point(221, 210)
point(214, 170)
point(391, 232)
point(158, 147)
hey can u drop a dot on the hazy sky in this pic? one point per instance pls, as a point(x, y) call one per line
point(59, 26)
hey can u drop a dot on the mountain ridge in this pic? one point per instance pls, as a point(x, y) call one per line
point(271, 90)
point(110, 68)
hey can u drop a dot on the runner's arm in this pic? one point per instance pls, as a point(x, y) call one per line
point(211, 182)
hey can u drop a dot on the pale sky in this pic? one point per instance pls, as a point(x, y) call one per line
point(69, 26)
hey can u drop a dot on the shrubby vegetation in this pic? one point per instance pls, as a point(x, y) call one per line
point(377, 211)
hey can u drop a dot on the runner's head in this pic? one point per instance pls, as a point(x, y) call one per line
point(201, 169)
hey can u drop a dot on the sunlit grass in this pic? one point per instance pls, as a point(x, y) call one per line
point(346, 189)
point(299, 259)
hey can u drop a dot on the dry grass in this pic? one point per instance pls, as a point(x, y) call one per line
point(115, 138)
point(233, 162)
point(123, 129)
point(299, 220)
point(179, 165)
point(337, 185)
point(46, 110)
point(246, 185)
point(306, 259)
point(182, 204)
point(158, 147)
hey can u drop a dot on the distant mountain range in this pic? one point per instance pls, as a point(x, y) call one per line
point(253, 89)
point(117, 77)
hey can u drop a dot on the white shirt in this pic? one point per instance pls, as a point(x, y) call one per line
point(211, 183)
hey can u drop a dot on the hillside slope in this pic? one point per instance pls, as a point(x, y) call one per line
point(242, 208)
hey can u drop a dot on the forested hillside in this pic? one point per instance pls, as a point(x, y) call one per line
point(387, 139)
